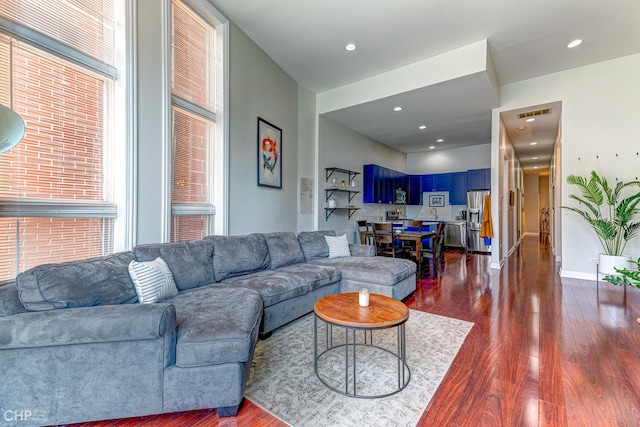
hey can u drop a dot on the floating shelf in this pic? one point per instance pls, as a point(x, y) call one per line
point(329, 211)
point(329, 192)
point(329, 171)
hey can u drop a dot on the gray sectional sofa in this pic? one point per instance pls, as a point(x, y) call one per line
point(76, 346)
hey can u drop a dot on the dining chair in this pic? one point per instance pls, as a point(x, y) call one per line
point(385, 241)
point(435, 255)
point(363, 225)
point(432, 254)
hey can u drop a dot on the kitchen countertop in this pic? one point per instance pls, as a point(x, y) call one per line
point(441, 218)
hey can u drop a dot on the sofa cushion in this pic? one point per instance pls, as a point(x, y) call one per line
point(284, 249)
point(313, 244)
point(273, 286)
point(380, 270)
point(316, 276)
point(94, 281)
point(239, 255)
point(153, 281)
point(9, 302)
point(191, 263)
point(338, 246)
point(216, 325)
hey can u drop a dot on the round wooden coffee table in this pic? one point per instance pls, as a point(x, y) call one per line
point(343, 310)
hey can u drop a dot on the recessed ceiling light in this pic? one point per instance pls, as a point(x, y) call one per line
point(531, 119)
point(440, 140)
point(535, 167)
point(522, 128)
point(432, 147)
point(351, 47)
point(533, 143)
point(422, 127)
point(576, 42)
point(534, 158)
point(397, 109)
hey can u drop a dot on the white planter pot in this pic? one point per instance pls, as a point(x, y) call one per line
point(608, 263)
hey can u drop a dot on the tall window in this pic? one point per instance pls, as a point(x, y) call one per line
point(196, 61)
point(57, 71)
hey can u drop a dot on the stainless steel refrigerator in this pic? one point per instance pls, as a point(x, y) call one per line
point(475, 210)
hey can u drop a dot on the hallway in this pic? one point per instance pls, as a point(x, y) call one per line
point(544, 352)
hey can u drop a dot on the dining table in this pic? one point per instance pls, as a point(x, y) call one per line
point(408, 235)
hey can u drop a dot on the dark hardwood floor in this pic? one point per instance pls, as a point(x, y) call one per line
point(543, 352)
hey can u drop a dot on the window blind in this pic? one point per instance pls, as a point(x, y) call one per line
point(193, 88)
point(56, 201)
point(85, 26)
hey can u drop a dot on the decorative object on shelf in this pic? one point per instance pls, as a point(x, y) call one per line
point(269, 154)
point(610, 215)
point(436, 200)
point(332, 203)
point(11, 129)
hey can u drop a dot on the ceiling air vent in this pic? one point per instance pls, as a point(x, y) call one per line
point(534, 113)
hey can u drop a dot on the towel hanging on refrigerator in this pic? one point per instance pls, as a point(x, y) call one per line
point(487, 227)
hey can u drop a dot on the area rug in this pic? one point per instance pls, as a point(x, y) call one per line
point(282, 379)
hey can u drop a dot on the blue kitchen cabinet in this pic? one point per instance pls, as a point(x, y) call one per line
point(458, 189)
point(435, 182)
point(414, 192)
point(479, 179)
point(386, 184)
point(369, 175)
point(426, 183)
point(380, 183)
point(442, 182)
point(487, 179)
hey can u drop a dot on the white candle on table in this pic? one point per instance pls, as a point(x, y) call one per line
point(363, 298)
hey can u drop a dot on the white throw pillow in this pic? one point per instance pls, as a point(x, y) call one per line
point(338, 246)
point(153, 280)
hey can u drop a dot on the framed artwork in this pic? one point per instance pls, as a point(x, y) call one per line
point(269, 154)
point(436, 200)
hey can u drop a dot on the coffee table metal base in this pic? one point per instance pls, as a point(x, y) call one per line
point(404, 373)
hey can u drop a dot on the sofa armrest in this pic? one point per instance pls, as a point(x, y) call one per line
point(88, 325)
point(362, 250)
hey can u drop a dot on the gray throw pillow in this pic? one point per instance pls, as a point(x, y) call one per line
point(338, 246)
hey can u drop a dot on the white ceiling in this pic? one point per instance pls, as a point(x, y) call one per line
point(526, 39)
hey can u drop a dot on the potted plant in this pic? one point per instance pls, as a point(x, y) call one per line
point(610, 215)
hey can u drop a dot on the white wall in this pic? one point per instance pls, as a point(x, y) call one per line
point(451, 160)
point(259, 87)
point(600, 131)
point(152, 123)
point(341, 147)
point(307, 126)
